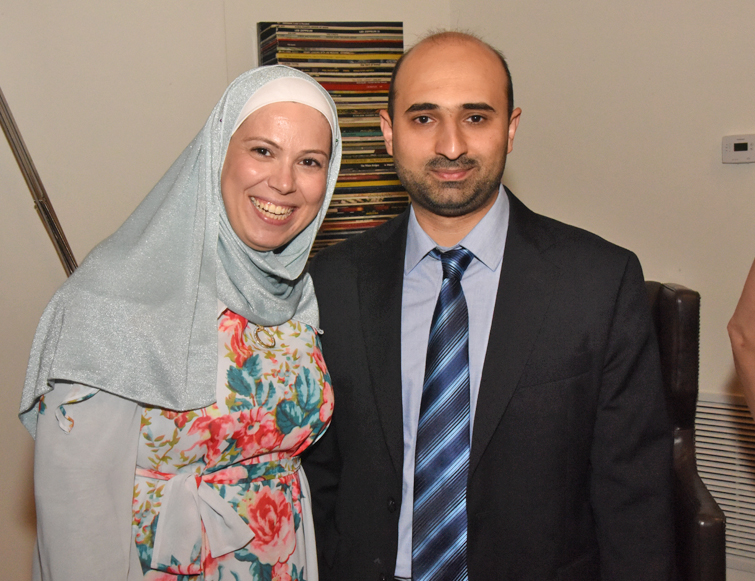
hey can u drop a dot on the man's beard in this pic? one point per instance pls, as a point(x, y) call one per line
point(451, 199)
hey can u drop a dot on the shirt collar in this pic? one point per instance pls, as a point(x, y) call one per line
point(486, 240)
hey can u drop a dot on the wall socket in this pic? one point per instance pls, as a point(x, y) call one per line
point(738, 149)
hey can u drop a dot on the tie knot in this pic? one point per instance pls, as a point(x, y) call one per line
point(455, 261)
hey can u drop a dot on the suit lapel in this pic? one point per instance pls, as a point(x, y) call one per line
point(380, 288)
point(527, 281)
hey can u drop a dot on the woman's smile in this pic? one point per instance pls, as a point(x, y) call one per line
point(270, 210)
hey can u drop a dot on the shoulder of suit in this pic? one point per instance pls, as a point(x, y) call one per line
point(554, 236)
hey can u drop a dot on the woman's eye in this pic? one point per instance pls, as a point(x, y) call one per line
point(311, 162)
point(261, 151)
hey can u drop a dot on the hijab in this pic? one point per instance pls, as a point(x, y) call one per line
point(138, 318)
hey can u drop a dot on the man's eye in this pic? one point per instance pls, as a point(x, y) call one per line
point(422, 119)
point(476, 118)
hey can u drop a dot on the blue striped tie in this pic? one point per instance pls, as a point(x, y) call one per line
point(439, 529)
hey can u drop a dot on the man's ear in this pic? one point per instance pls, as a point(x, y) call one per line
point(516, 114)
point(386, 126)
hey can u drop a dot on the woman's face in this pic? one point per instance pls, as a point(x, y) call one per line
point(275, 173)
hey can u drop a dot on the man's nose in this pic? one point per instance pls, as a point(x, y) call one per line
point(451, 141)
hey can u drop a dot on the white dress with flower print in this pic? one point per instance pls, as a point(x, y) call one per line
point(219, 493)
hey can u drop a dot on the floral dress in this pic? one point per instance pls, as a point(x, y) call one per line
point(218, 492)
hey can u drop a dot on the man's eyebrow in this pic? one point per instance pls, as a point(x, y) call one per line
point(477, 107)
point(422, 107)
point(466, 106)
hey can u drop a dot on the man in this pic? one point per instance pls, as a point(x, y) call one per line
point(556, 426)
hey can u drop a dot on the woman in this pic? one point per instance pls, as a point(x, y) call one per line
point(177, 375)
point(742, 334)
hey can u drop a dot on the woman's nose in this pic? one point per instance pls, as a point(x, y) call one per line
point(283, 178)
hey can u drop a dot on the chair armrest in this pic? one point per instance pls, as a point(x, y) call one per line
point(700, 523)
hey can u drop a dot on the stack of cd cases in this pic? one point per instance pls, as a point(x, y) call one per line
point(353, 61)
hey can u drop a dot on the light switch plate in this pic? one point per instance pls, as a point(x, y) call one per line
point(738, 149)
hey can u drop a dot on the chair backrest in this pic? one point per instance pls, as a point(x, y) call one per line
point(699, 521)
point(676, 311)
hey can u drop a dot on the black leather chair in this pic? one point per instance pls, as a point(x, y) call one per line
point(699, 522)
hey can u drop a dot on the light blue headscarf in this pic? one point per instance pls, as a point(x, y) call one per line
point(138, 318)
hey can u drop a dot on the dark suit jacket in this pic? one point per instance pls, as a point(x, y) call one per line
point(570, 464)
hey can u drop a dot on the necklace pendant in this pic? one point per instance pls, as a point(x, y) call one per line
point(267, 340)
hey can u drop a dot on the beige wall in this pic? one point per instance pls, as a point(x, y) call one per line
point(624, 107)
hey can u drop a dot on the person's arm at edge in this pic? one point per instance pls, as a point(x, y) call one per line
point(632, 446)
point(742, 334)
point(84, 483)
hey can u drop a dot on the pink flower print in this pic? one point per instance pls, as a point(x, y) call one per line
point(162, 576)
point(326, 408)
point(149, 473)
point(270, 517)
point(296, 493)
point(236, 324)
point(256, 432)
point(280, 572)
point(229, 475)
point(319, 361)
point(209, 564)
point(179, 418)
point(240, 349)
point(230, 321)
point(213, 435)
point(297, 440)
point(295, 488)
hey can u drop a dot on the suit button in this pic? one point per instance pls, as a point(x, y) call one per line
point(383, 577)
point(391, 505)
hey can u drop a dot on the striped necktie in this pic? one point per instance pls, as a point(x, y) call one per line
point(439, 529)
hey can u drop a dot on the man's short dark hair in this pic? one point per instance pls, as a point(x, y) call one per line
point(458, 36)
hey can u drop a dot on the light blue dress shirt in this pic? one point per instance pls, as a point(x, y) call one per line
point(423, 275)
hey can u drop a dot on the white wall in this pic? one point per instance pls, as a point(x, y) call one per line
point(106, 96)
point(624, 107)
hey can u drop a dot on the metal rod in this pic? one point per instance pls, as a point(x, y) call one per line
point(41, 202)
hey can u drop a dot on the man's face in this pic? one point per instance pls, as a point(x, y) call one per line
point(450, 132)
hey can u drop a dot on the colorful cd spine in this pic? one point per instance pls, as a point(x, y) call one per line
point(353, 61)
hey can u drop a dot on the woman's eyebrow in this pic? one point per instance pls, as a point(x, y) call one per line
point(321, 151)
point(262, 139)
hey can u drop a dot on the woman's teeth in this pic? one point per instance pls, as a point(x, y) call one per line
point(271, 210)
